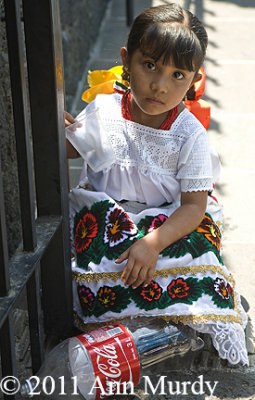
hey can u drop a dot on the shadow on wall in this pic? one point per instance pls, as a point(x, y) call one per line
point(240, 3)
point(81, 22)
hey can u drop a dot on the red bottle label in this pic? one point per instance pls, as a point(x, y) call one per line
point(114, 358)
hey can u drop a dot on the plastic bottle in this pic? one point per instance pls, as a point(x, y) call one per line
point(108, 360)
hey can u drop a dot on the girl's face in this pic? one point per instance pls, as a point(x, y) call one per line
point(156, 87)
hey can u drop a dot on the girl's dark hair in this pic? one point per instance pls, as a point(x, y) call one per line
point(171, 32)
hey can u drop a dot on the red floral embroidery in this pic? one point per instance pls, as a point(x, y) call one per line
point(119, 227)
point(86, 297)
point(178, 288)
point(231, 292)
point(221, 288)
point(152, 292)
point(86, 230)
point(107, 296)
point(211, 231)
point(157, 222)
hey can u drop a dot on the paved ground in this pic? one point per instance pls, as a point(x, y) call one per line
point(230, 89)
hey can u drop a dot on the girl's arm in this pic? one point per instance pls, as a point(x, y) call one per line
point(71, 152)
point(142, 256)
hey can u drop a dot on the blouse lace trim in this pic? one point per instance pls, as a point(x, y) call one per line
point(182, 151)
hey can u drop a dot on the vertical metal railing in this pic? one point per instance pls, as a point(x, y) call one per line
point(129, 12)
point(45, 72)
point(4, 261)
point(20, 114)
point(41, 265)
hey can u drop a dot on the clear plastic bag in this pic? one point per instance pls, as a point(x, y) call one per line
point(89, 138)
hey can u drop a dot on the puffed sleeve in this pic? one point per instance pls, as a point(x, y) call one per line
point(194, 169)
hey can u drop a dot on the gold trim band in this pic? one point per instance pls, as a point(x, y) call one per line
point(204, 318)
point(194, 269)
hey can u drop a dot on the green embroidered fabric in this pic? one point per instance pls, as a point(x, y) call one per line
point(180, 290)
point(107, 230)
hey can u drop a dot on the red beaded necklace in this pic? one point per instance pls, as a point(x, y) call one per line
point(127, 114)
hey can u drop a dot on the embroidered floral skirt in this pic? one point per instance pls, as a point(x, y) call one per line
point(190, 283)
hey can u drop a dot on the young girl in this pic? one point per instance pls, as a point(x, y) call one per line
point(145, 233)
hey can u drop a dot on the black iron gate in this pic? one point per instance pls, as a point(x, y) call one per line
point(41, 265)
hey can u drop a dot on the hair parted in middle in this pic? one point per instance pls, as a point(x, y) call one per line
point(170, 32)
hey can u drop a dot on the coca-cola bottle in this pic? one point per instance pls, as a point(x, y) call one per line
point(108, 360)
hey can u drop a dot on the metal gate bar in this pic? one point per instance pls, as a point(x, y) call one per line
point(23, 264)
point(41, 265)
point(4, 261)
point(129, 12)
point(20, 113)
point(35, 319)
point(45, 73)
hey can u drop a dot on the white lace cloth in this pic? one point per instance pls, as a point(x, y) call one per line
point(228, 339)
point(139, 163)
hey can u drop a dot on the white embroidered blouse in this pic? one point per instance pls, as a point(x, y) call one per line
point(129, 161)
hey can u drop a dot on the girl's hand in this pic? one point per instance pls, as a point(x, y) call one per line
point(142, 256)
point(69, 119)
point(141, 264)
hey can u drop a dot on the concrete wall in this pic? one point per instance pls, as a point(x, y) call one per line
point(81, 20)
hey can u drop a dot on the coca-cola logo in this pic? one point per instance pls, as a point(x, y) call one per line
point(109, 366)
point(115, 361)
point(107, 360)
